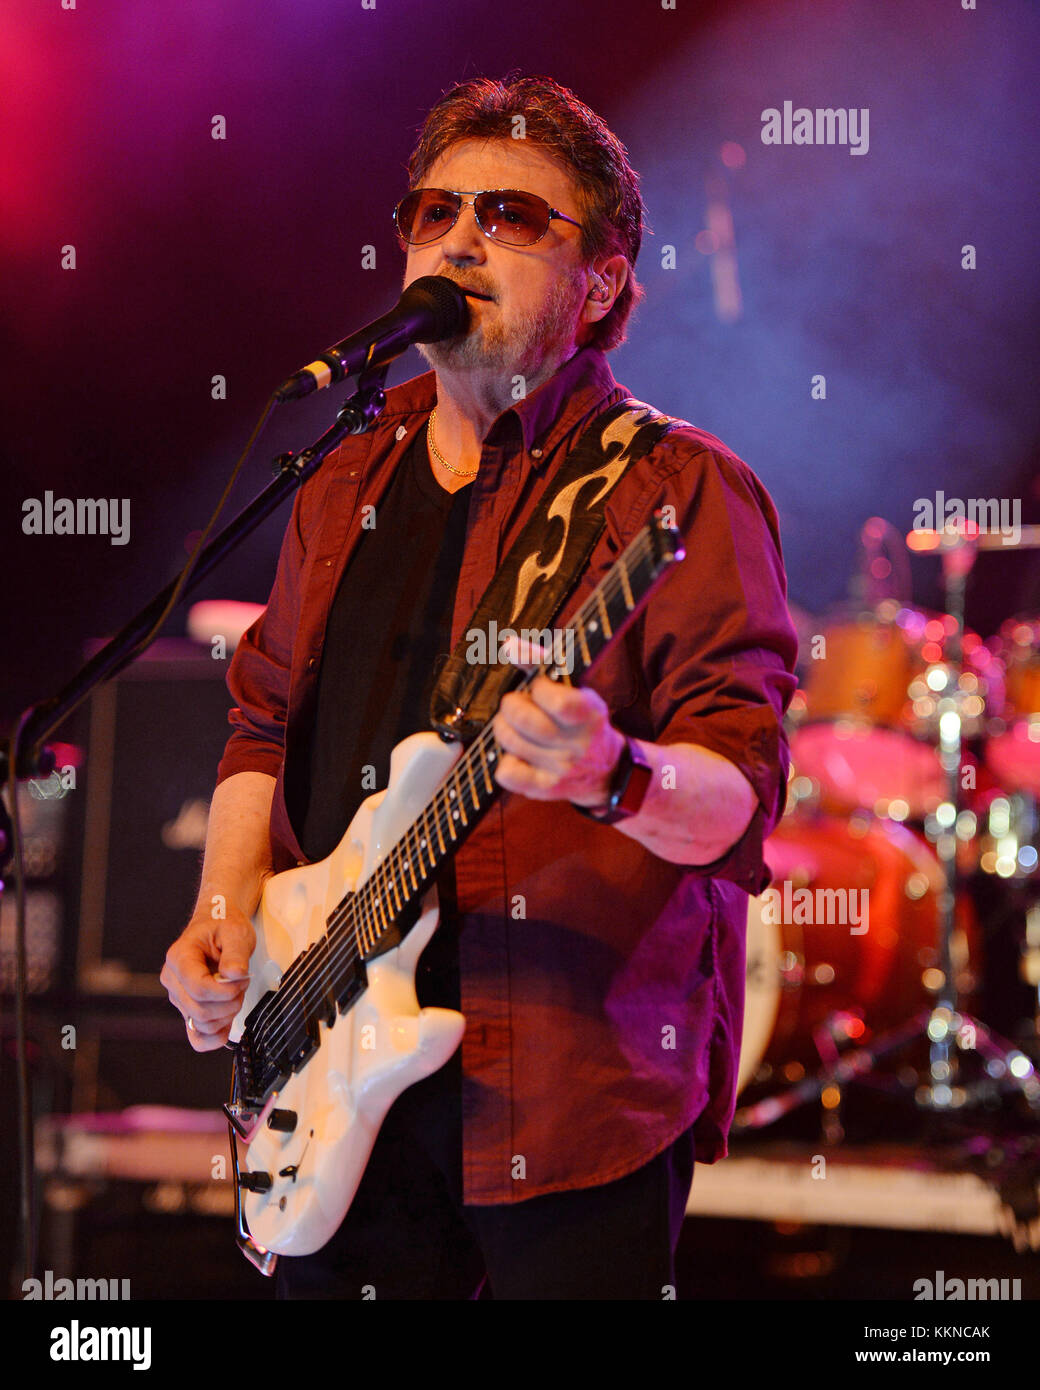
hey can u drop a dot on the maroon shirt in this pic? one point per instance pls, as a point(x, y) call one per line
point(603, 987)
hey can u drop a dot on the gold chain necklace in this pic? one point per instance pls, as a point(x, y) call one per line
point(459, 472)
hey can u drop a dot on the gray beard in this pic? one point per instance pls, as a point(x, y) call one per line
point(519, 348)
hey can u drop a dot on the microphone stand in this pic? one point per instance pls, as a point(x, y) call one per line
point(31, 756)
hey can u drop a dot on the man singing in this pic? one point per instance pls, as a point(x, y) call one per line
point(592, 926)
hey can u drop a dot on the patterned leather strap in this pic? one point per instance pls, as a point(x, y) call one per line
point(544, 563)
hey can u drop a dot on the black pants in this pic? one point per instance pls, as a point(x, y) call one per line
point(408, 1235)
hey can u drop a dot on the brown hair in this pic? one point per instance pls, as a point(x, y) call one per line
point(611, 209)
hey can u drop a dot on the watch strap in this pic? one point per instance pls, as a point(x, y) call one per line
point(628, 788)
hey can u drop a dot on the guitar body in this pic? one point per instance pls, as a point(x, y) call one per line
point(379, 1046)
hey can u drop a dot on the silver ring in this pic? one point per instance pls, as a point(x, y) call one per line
point(191, 1025)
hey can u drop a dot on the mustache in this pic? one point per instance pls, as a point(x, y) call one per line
point(471, 286)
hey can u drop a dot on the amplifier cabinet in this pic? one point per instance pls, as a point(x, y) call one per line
point(156, 734)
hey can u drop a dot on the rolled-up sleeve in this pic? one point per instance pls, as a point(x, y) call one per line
point(719, 647)
point(259, 674)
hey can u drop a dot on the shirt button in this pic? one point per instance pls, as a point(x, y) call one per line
point(353, 473)
point(310, 663)
point(401, 432)
point(536, 453)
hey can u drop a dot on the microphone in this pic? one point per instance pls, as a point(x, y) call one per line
point(430, 309)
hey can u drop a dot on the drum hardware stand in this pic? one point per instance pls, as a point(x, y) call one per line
point(945, 1027)
point(946, 1024)
point(842, 1068)
point(859, 1061)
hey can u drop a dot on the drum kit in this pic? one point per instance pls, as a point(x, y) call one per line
point(869, 937)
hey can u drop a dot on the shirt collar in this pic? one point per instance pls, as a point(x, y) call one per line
point(552, 411)
point(581, 385)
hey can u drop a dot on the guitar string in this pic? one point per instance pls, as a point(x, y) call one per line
point(279, 1018)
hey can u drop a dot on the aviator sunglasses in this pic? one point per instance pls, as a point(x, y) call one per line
point(506, 215)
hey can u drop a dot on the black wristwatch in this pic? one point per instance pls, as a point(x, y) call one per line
point(628, 788)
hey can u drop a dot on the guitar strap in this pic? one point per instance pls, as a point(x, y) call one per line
point(543, 565)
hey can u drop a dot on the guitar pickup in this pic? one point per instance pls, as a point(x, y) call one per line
point(299, 1053)
point(355, 982)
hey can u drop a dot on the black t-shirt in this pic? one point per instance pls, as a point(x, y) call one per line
point(388, 633)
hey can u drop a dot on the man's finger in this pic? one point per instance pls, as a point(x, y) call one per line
point(200, 983)
point(569, 706)
point(236, 945)
point(201, 1010)
point(520, 717)
point(210, 1028)
point(206, 1042)
point(552, 755)
point(517, 775)
point(521, 652)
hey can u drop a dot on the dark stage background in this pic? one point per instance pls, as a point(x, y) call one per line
point(242, 257)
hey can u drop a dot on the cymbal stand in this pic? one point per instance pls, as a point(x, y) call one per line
point(949, 1030)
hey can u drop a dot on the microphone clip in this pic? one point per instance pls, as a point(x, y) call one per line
point(361, 410)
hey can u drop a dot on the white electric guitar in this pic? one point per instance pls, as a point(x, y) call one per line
point(330, 1031)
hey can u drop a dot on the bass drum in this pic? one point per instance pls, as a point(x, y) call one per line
point(808, 955)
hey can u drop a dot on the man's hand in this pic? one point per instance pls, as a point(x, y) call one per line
point(559, 743)
point(206, 974)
